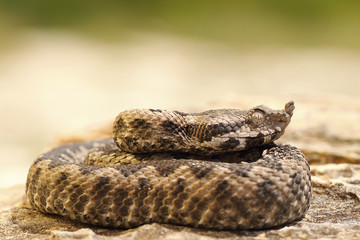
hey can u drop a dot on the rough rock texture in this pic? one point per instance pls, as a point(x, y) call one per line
point(326, 128)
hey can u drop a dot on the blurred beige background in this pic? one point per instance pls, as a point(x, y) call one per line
point(71, 66)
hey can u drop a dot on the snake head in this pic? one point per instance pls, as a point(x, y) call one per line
point(265, 115)
point(268, 124)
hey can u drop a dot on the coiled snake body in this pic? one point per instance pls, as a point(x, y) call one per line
point(218, 169)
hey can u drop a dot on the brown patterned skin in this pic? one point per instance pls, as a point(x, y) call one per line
point(214, 131)
point(196, 183)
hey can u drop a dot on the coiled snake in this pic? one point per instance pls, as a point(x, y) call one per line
point(217, 169)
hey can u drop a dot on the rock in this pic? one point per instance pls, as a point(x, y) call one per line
point(326, 128)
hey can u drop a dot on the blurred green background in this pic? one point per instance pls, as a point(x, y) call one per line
point(69, 65)
point(237, 23)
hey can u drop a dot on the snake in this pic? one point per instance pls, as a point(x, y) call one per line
point(218, 169)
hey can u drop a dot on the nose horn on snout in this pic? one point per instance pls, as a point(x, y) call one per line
point(289, 107)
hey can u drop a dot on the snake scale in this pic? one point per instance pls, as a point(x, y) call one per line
point(218, 169)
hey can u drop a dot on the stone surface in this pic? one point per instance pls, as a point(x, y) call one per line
point(325, 127)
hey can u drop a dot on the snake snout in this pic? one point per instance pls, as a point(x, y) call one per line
point(289, 108)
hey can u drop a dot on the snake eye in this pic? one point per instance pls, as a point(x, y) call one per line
point(257, 117)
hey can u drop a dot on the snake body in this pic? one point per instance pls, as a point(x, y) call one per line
point(217, 169)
